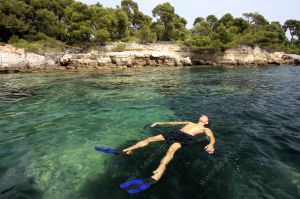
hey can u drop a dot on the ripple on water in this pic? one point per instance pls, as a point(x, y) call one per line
point(51, 122)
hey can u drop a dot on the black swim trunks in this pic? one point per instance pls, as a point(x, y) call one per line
point(178, 136)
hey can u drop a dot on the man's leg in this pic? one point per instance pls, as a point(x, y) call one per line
point(144, 143)
point(165, 161)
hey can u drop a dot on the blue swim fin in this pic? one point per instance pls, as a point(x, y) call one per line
point(109, 150)
point(137, 185)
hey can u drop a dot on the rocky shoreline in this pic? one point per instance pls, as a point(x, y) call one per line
point(136, 55)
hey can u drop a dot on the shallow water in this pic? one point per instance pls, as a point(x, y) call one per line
point(50, 123)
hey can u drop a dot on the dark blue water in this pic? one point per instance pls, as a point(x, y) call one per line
point(50, 123)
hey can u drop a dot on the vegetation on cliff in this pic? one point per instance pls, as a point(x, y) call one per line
point(40, 24)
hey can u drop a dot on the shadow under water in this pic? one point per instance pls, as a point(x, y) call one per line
point(17, 185)
point(190, 164)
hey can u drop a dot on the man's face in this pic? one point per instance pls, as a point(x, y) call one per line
point(204, 119)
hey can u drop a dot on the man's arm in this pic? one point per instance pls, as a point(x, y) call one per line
point(172, 123)
point(210, 147)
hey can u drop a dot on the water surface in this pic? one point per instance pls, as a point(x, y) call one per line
point(50, 123)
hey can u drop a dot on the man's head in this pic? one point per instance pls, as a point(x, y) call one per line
point(203, 119)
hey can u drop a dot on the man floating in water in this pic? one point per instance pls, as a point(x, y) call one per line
point(177, 139)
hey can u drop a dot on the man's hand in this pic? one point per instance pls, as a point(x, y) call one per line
point(209, 148)
point(154, 124)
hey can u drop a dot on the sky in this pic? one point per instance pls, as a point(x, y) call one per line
point(272, 10)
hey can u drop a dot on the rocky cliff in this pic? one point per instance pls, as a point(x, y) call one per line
point(16, 59)
point(246, 55)
point(132, 55)
point(135, 55)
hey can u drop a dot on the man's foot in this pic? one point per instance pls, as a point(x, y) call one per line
point(127, 151)
point(155, 177)
point(157, 173)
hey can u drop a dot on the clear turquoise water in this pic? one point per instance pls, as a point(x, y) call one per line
point(50, 123)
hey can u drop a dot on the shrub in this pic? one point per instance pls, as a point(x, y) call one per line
point(203, 43)
point(102, 36)
point(119, 47)
point(37, 43)
point(145, 35)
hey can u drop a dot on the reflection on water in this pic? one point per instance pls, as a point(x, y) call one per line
point(51, 122)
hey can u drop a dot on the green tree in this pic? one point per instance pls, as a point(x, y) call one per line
point(78, 19)
point(158, 29)
point(227, 20)
point(73, 22)
point(212, 20)
point(16, 19)
point(275, 33)
point(47, 22)
point(198, 20)
point(103, 19)
point(136, 18)
point(102, 36)
point(256, 19)
point(130, 8)
point(224, 35)
point(202, 28)
point(174, 25)
point(293, 26)
point(145, 35)
point(122, 24)
point(241, 25)
point(204, 43)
